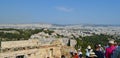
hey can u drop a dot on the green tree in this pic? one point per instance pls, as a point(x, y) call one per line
point(68, 44)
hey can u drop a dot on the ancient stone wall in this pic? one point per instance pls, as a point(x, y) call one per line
point(29, 49)
point(41, 52)
point(33, 49)
point(22, 43)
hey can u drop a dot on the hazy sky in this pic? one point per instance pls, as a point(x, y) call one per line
point(60, 11)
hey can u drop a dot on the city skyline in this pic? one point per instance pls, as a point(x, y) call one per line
point(60, 11)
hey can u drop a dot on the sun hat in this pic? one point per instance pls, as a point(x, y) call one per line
point(79, 49)
point(92, 54)
point(99, 45)
point(89, 47)
point(111, 41)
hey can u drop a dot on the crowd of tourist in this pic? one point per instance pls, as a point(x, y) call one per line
point(112, 50)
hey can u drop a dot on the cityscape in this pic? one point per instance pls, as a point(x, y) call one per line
point(51, 38)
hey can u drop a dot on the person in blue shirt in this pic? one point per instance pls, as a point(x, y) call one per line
point(116, 53)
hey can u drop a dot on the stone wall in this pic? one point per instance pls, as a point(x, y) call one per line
point(22, 43)
point(51, 51)
point(35, 50)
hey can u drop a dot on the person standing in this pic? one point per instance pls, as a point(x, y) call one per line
point(88, 50)
point(76, 55)
point(98, 52)
point(109, 50)
point(79, 53)
point(71, 53)
point(116, 44)
point(101, 48)
point(116, 53)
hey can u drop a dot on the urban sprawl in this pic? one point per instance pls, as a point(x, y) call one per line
point(58, 41)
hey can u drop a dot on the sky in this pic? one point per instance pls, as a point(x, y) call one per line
point(60, 11)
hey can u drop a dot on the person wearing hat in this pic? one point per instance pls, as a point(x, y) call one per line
point(116, 44)
point(109, 50)
point(101, 48)
point(88, 50)
point(80, 53)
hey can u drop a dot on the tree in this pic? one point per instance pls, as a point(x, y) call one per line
point(68, 44)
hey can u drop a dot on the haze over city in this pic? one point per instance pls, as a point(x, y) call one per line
point(60, 11)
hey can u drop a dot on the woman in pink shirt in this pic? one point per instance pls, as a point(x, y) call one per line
point(109, 50)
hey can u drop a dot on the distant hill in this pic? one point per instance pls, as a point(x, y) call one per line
point(63, 25)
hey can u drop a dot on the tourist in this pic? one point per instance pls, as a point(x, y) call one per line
point(71, 53)
point(88, 50)
point(101, 48)
point(79, 53)
point(76, 55)
point(109, 50)
point(116, 45)
point(98, 52)
point(116, 53)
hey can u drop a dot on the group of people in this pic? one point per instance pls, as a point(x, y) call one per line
point(98, 52)
point(110, 51)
